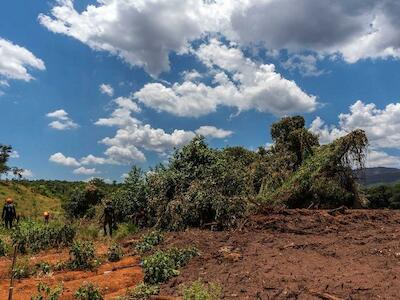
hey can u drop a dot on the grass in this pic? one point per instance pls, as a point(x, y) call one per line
point(27, 202)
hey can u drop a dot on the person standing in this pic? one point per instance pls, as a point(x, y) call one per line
point(109, 218)
point(46, 217)
point(9, 213)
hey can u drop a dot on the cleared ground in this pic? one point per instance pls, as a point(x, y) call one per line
point(291, 254)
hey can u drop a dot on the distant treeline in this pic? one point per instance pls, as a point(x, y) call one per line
point(383, 196)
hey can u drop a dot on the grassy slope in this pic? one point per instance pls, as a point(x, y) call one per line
point(28, 203)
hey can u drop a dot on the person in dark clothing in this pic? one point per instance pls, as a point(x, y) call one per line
point(108, 218)
point(9, 213)
point(46, 217)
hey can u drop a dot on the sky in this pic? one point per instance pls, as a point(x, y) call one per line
point(90, 88)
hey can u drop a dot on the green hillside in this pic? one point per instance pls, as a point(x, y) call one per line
point(28, 202)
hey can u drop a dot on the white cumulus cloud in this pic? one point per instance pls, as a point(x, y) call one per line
point(106, 89)
point(212, 131)
point(238, 82)
point(61, 159)
point(85, 171)
point(61, 120)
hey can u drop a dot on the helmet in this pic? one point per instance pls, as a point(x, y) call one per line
point(108, 202)
point(46, 214)
point(9, 200)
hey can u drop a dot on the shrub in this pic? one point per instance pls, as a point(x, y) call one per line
point(43, 267)
point(124, 230)
point(163, 265)
point(114, 252)
point(143, 291)
point(47, 293)
point(82, 256)
point(22, 270)
point(88, 291)
point(3, 248)
point(200, 291)
point(35, 236)
point(148, 241)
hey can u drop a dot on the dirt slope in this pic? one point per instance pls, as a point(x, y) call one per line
point(299, 254)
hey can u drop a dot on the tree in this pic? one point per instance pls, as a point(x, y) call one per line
point(5, 153)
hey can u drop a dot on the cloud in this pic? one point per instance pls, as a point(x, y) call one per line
point(15, 62)
point(62, 120)
point(27, 173)
point(356, 30)
point(121, 116)
point(142, 33)
point(382, 159)
point(238, 82)
point(14, 154)
point(93, 160)
point(106, 89)
point(60, 159)
point(211, 131)
point(85, 171)
point(306, 65)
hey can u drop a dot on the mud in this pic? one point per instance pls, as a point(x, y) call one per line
point(299, 254)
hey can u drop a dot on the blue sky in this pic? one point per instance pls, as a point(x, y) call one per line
point(127, 81)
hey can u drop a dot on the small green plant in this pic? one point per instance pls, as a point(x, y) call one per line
point(3, 248)
point(149, 240)
point(200, 291)
point(47, 293)
point(88, 291)
point(114, 252)
point(143, 291)
point(82, 256)
point(22, 270)
point(35, 236)
point(124, 230)
point(43, 267)
point(162, 265)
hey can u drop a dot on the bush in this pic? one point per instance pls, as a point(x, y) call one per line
point(148, 241)
point(3, 248)
point(143, 291)
point(124, 230)
point(82, 256)
point(35, 236)
point(114, 253)
point(22, 270)
point(200, 291)
point(88, 291)
point(163, 265)
point(47, 293)
point(43, 267)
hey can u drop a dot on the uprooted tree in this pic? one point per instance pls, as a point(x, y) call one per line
point(304, 173)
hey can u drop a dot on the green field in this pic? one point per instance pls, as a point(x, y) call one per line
point(27, 202)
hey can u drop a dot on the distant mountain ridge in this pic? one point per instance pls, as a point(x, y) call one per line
point(370, 176)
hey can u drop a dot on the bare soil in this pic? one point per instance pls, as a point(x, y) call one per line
point(299, 254)
point(288, 254)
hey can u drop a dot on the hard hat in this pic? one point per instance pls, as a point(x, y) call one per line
point(46, 213)
point(9, 200)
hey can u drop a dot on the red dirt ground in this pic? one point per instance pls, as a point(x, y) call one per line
point(112, 278)
point(291, 254)
point(299, 254)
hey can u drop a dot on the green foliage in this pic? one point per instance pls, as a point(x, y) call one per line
point(124, 230)
point(303, 173)
point(130, 200)
point(149, 240)
point(47, 293)
point(35, 236)
point(22, 269)
point(200, 291)
point(200, 186)
point(3, 248)
point(82, 256)
point(383, 196)
point(88, 291)
point(83, 199)
point(114, 252)
point(143, 291)
point(43, 267)
point(164, 264)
